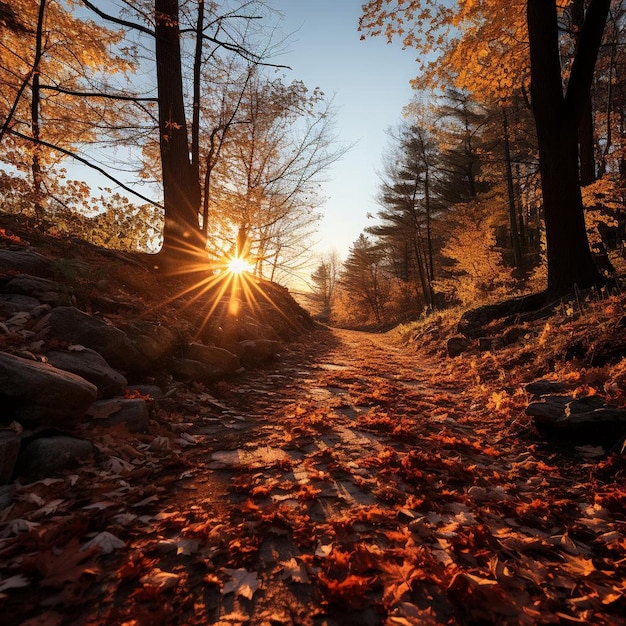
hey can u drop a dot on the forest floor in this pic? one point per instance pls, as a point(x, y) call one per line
point(353, 481)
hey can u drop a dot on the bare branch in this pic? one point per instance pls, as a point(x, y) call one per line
point(87, 163)
point(117, 20)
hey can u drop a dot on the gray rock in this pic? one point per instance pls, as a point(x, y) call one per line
point(48, 455)
point(41, 393)
point(9, 448)
point(549, 408)
point(588, 418)
point(545, 387)
point(92, 367)
point(258, 350)
point(131, 412)
point(213, 356)
point(457, 345)
point(40, 288)
point(69, 324)
point(154, 341)
point(188, 370)
point(28, 262)
point(12, 303)
point(6, 495)
point(153, 391)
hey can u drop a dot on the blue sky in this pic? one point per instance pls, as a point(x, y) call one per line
point(370, 81)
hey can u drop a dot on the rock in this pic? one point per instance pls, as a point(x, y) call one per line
point(12, 303)
point(188, 370)
point(39, 392)
point(457, 345)
point(153, 391)
point(9, 448)
point(6, 495)
point(28, 262)
point(258, 350)
point(213, 356)
point(69, 324)
point(40, 288)
point(545, 387)
point(48, 455)
point(587, 419)
point(131, 412)
point(154, 341)
point(89, 365)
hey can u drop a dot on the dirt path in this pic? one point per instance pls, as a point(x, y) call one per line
point(350, 484)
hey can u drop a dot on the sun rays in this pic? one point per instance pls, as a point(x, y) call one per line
point(220, 289)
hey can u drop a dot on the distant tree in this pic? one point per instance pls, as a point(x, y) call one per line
point(324, 284)
point(557, 112)
point(363, 280)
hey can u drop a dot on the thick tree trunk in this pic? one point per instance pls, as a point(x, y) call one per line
point(557, 118)
point(181, 234)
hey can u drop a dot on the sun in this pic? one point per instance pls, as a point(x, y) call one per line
point(237, 265)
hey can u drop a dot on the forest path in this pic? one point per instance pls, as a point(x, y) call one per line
point(356, 484)
point(349, 482)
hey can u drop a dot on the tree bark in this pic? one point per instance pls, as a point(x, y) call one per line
point(515, 237)
point(34, 114)
point(181, 233)
point(557, 118)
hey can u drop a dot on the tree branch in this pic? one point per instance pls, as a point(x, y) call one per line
point(96, 94)
point(581, 77)
point(117, 20)
point(87, 163)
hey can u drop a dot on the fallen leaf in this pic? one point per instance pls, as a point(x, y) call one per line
point(158, 579)
point(106, 541)
point(14, 582)
point(294, 571)
point(242, 583)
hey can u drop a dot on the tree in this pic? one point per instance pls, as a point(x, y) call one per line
point(362, 279)
point(557, 112)
point(324, 284)
point(409, 205)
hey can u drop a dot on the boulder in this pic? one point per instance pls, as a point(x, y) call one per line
point(131, 412)
point(26, 261)
point(69, 324)
point(215, 357)
point(457, 345)
point(38, 392)
point(188, 370)
point(258, 350)
point(587, 419)
point(48, 455)
point(40, 288)
point(154, 392)
point(545, 387)
point(91, 366)
point(10, 442)
point(12, 303)
point(154, 341)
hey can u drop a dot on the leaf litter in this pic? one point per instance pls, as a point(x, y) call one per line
point(346, 494)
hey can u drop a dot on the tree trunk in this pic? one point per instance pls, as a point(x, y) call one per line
point(515, 237)
point(34, 114)
point(181, 233)
point(557, 118)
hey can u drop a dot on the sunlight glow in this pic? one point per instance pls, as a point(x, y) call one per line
point(237, 265)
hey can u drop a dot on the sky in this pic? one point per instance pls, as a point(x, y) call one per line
point(370, 82)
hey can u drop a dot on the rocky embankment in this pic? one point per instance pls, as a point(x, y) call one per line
point(95, 342)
